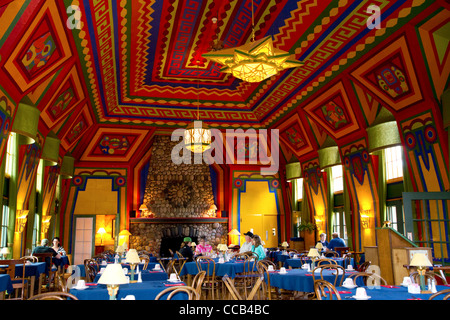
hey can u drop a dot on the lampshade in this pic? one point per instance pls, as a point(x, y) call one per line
point(193, 244)
point(420, 260)
point(293, 171)
point(234, 232)
point(143, 207)
point(67, 167)
point(383, 135)
point(26, 121)
point(319, 246)
point(285, 244)
point(113, 275)
point(124, 232)
point(132, 256)
point(101, 231)
point(329, 157)
point(120, 249)
point(5, 250)
point(50, 153)
point(253, 61)
point(197, 137)
point(313, 252)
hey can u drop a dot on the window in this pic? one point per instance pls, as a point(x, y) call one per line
point(394, 163)
point(394, 214)
point(338, 181)
point(4, 227)
point(10, 156)
point(36, 230)
point(338, 223)
point(299, 189)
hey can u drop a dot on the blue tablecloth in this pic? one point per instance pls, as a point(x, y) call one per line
point(388, 293)
point(5, 283)
point(150, 266)
point(63, 261)
point(230, 268)
point(146, 275)
point(296, 263)
point(32, 269)
point(146, 290)
point(298, 279)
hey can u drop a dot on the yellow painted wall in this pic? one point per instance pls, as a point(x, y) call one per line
point(258, 211)
point(98, 198)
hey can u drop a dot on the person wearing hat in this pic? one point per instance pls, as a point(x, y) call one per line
point(186, 250)
point(247, 245)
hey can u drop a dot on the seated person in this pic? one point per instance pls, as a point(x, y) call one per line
point(335, 242)
point(186, 250)
point(44, 248)
point(247, 245)
point(58, 247)
point(323, 241)
point(203, 247)
point(257, 247)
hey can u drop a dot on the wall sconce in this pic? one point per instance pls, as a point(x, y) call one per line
point(45, 223)
point(365, 219)
point(21, 220)
point(320, 222)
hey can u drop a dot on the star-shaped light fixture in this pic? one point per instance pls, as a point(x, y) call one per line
point(253, 61)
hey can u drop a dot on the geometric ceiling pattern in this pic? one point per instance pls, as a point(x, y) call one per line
point(108, 74)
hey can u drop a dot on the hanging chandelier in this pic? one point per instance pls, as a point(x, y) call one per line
point(253, 61)
point(197, 136)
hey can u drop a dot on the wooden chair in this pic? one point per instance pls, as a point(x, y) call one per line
point(268, 290)
point(50, 273)
point(363, 267)
point(244, 281)
point(32, 259)
point(331, 254)
point(146, 260)
point(338, 271)
point(234, 292)
point(197, 282)
point(91, 268)
point(446, 292)
point(192, 293)
point(18, 283)
point(369, 279)
point(54, 296)
point(210, 281)
point(341, 250)
point(324, 262)
point(324, 289)
point(429, 275)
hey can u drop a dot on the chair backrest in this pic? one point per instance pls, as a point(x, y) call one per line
point(341, 250)
point(146, 260)
point(30, 258)
point(45, 257)
point(56, 295)
point(324, 289)
point(363, 267)
point(331, 254)
point(339, 273)
point(11, 269)
point(322, 262)
point(197, 282)
point(192, 293)
point(429, 275)
point(442, 292)
point(370, 279)
point(207, 262)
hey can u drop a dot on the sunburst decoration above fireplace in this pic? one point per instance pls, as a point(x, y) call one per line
point(178, 194)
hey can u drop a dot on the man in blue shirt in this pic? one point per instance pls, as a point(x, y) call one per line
point(335, 242)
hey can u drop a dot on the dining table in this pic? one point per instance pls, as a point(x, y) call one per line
point(297, 263)
point(33, 270)
point(387, 292)
point(146, 275)
point(300, 280)
point(145, 290)
point(5, 285)
point(150, 266)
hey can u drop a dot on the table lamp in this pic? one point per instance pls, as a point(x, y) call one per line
point(313, 254)
point(319, 246)
point(420, 261)
point(193, 244)
point(113, 276)
point(101, 231)
point(133, 259)
point(222, 247)
point(120, 250)
point(5, 252)
point(285, 245)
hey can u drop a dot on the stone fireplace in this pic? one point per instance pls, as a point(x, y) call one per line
point(180, 203)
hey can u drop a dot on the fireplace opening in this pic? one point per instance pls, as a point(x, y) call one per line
point(172, 243)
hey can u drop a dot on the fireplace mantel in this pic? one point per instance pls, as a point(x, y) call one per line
point(186, 220)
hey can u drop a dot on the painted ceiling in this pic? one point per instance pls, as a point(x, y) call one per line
point(106, 75)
